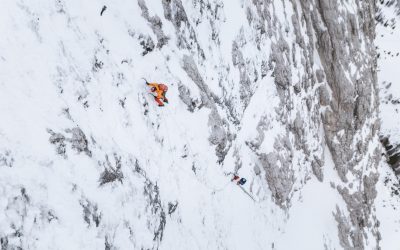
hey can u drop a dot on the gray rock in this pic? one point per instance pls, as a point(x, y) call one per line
point(6, 159)
point(282, 70)
point(152, 192)
point(79, 141)
point(111, 173)
point(184, 94)
point(278, 168)
point(324, 97)
point(91, 213)
point(175, 12)
point(172, 207)
point(280, 177)
point(350, 106)
point(244, 81)
point(392, 154)
point(320, 75)
point(147, 44)
point(344, 229)
point(58, 140)
point(317, 167)
point(218, 135)
point(155, 23)
point(190, 67)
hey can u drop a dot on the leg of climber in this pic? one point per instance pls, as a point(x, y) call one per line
point(160, 104)
point(163, 91)
point(165, 98)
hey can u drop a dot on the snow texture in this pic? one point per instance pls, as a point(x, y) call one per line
point(283, 93)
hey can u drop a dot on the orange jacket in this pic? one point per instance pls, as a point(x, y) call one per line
point(158, 89)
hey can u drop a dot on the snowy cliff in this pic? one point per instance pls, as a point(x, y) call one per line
point(388, 49)
point(283, 93)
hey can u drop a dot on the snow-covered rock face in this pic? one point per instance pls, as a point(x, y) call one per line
point(388, 48)
point(283, 93)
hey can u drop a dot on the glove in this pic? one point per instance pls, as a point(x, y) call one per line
point(165, 100)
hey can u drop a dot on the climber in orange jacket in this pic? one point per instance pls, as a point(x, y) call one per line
point(160, 90)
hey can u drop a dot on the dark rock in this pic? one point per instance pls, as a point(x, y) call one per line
point(79, 141)
point(147, 44)
point(155, 23)
point(172, 207)
point(91, 215)
point(58, 140)
point(6, 159)
point(111, 173)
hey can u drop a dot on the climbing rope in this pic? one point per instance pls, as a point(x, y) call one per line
point(213, 190)
point(167, 118)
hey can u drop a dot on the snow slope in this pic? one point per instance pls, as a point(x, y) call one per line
point(282, 93)
point(388, 47)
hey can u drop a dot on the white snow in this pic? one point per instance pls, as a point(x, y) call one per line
point(48, 80)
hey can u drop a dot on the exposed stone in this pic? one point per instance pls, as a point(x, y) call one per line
point(184, 94)
point(152, 192)
point(91, 213)
point(79, 141)
point(218, 135)
point(6, 159)
point(147, 44)
point(111, 173)
point(392, 154)
point(58, 140)
point(324, 97)
point(278, 171)
point(187, 39)
point(155, 23)
point(344, 229)
point(317, 166)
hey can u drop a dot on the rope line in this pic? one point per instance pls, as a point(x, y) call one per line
point(167, 114)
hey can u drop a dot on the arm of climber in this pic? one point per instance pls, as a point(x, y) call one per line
point(152, 84)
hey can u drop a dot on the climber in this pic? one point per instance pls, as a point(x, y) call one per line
point(242, 181)
point(235, 178)
point(160, 90)
point(239, 181)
